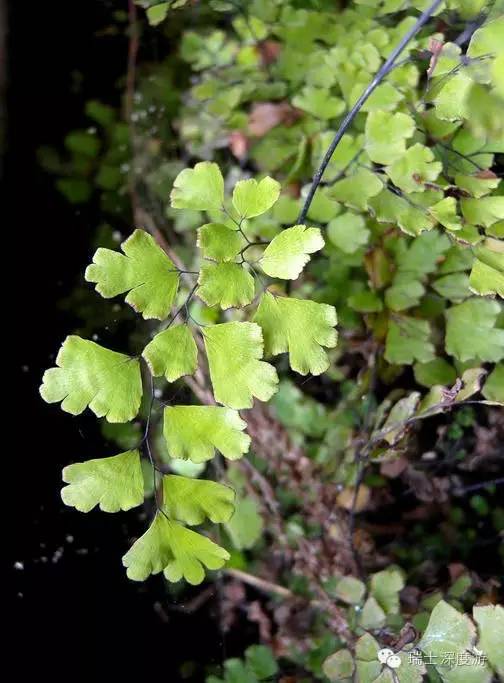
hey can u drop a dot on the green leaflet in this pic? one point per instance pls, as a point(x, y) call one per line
point(288, 253)
point(471, 331)
point(386, 135)
point(348, 232)
point(450, 631)
point(114, 483)
point(356, 190)
point(218, 242)
point(494, 386)
point(454, 287)
point(423, 254)
point(487, 274)
point(339, 666)
point(172, 353)
point(478, 185)
point(484, 211)
point(225, 284)
point(404, 295)
point(200, 188)
point(413, 169)
point(170, 548)
point(435, 372)
point(158, 13)
point(144, 271)
point(238, 375)
point(246, 525)
point(385, 587)
point(261, 661)
point(251, 198)
point(408, 341)
point(90, 375)
point(299, 327)
point(372, 615)
point(193, 500)
point(445, 212)
point(490, 621)
point(396, 668)
point(409, 216)
point(195, 432)
point(319, 102)
point(350, 590)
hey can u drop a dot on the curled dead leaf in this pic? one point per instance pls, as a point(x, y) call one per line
point(266, 115)
point(238, 144)
point(345, 498)
point(269, 51)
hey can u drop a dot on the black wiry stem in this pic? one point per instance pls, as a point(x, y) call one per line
point(388, 65)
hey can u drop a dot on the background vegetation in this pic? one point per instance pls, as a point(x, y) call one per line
point(368, 508)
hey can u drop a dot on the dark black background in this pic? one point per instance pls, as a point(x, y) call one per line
point(75, 612)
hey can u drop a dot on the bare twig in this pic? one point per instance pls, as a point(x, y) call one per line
point(260, 584)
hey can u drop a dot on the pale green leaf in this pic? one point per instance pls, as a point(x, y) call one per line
point(451, 633)
point(472, 379)
point(494, 386)
point(404, 295)
point(144, 271)
point(218, 242)
point(401, 411)
point(386, 135)
point(319, 102)
point(445, 212)
point(238, 375)
point(350, 590)
point(454, 287)
point(194, 500)
point(225, 284)
point(357, 189)
point(261, 661)
point(195, 432)
point(200, 188)
point(385, 587)
point(389, 208)
point(172, 353)
point(171, 548)
point(413, 169)
point(490, 621)
point(251, 198)
point(436, 371)
point(90, 375)
point(246, 525)
point(487, 274)
point(487, 40)
point(288, 253)
point(484, 211)
point(348, 232)
point(114, 483)
point(408, 340)
point(157, 13)
point(471, 331)
point(339, 666)
point(366, 655)
point(366, 301)
point(299, 327)
point(478, 185)
point(372, 615)
point(423, 254)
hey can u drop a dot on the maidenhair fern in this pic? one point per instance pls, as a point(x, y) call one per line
point(409, 203)
point(110, 384)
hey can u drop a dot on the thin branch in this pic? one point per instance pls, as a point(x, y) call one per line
point(380, 75)
point(476, 487)
point(261, 584)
